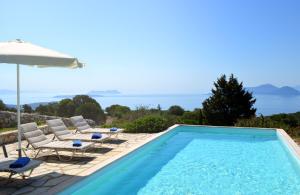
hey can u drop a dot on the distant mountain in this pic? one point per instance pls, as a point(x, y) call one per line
point(297, 87)
point(106, 92)
point(268, 89)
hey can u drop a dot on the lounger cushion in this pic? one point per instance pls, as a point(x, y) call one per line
point(66, 145)
point(33, 135)
point(4, 165)
point(103, 130)
point(80, 123)
point(85, 137)
point(58, 127)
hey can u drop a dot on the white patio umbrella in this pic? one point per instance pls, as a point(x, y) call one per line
point(24, 53)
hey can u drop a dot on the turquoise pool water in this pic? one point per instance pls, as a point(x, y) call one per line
point(201, 160)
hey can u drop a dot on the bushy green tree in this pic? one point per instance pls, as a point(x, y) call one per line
point(66, 108)
point(48, 109)
point(117, 110)
point(2, 105)
point(176, 110)
point(91, 111)
point(27, 108)
point(228, 103)
point(88, 108)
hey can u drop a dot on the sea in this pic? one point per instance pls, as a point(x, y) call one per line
point(265, 104)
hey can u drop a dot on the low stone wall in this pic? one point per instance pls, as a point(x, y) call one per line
point(9, 119)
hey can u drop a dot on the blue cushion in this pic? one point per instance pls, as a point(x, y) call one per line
point(114, 129)
point(96, 136)
point(20, 162)
point(77, 143)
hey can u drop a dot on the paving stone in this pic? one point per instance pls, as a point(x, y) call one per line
point(7, 191)
point(39, 182)
point(23, 190)
point(39, 191)
point(53, 182)
point(53, 171)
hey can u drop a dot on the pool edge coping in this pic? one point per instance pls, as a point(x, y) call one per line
point(75, 178)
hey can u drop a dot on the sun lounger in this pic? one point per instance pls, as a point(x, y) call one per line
point(4, 167)
point(37, 139)
point(83, 127)
point(59, 129)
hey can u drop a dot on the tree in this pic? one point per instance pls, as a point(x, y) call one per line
point(88, 108)
point(48, 109)
point(91, 111)
point(66, 108)
point(2, 105)
point(176, 110)
point(228, 103)
point(117, 110)
point(27, 108)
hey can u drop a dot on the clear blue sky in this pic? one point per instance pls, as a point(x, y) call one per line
point(156, 46)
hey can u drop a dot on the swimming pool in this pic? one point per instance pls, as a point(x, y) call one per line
point(201, 160)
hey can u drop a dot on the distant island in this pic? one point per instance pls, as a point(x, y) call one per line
point(93, 94)
point(71, 96)
point(269, 89)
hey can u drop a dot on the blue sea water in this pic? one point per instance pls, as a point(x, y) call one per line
point(266, 104)
point(201, 160)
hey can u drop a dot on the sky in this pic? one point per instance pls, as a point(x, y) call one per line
point(155, 46)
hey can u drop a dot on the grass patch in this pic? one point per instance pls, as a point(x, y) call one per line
point(7, 129)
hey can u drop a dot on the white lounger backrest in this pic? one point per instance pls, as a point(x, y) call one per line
point(80, 123)
point(58, 128)
point(33, 135)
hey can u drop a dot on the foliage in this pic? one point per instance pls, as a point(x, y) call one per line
point(91, 111)
point(27, 108)
point(66, 108)
point(148, 124)
point(48, 109)
point(192, 117)
point(228, 103)
point(117, 110)
point(2, 105)
point(79, 105)
point(281, 121)
point(176, 110)
point(89, 108)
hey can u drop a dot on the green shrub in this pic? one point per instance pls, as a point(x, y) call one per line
point(117, 110)
point(148, 124)
point(192, 117)
point(176, 110)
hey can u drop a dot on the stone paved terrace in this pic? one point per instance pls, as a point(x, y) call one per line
point(52, 171)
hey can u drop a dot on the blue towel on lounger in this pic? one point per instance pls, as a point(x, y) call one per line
point(20, 162)
point(77, 143)
point(96, 136)
point(114, 129)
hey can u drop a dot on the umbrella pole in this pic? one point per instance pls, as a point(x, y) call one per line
point(18, 110)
